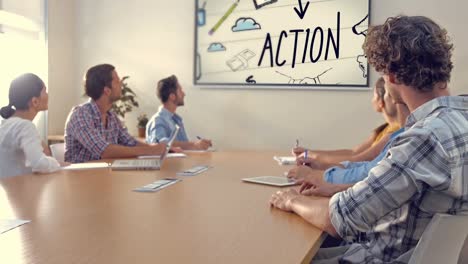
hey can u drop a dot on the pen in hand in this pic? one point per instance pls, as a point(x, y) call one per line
point(200, 138)
point(305, 157)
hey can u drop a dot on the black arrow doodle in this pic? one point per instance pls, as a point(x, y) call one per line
point(250, 80)
point(301, 11)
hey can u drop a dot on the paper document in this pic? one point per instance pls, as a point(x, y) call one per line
point(9, 224)
point(210, 149)
point(285, 160)
point(169, 155)
point(271, 180)
point(87, 166)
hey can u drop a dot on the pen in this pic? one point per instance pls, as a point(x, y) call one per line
point(297, 143)
point(223, 18)
point(305, 156)
point(200, 138)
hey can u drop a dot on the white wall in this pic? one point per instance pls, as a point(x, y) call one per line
point(149, 40)
point(63, 84)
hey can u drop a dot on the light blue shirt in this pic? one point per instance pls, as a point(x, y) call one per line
point(162, 124)
point(357, 171)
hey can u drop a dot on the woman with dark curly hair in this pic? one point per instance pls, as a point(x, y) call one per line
point(425, 170)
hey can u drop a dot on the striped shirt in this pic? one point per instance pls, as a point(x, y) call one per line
point(86, 138)
point(424, 172)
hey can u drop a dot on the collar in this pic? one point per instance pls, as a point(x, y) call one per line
point(423, 111)
point(168, 113)
point(96, 111)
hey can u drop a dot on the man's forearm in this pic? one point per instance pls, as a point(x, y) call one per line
point(187, 145)
point(117, 151)
point(341, 187)
point(314, 210)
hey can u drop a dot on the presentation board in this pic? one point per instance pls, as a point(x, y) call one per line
point(281, 43)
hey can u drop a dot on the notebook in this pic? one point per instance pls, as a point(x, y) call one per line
point(145, 164)
point(210, 149)
point(87, 166)
point(170, 155)
point(271, 180)
point(285, 160)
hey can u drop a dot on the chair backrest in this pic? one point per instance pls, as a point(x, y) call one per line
point(58, 151)
point(442, 241)
point(464, 253)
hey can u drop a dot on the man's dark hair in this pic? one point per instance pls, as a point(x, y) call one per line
point(98, 77)
point(166, 87)
point(413, 48)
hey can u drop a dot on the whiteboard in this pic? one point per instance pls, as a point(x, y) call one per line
point(281, 43)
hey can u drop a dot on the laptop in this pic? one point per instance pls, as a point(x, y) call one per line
point(145, 164)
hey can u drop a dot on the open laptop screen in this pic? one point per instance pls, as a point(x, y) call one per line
point(169, 143)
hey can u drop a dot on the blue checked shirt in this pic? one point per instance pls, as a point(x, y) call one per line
point(425, 172)
point(161, 126)
point(353, 172)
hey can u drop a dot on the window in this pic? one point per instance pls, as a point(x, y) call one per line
point(23, 46)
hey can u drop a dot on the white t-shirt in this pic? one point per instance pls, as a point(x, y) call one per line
point(21, 149)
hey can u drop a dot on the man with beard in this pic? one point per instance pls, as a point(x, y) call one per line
point(423, 173)
point(93, 131)
point(162, 124)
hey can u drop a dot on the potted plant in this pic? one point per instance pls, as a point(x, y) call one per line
point(142, 121)
point(126, 102)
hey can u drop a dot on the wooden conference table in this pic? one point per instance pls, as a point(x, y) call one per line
point(93, 216)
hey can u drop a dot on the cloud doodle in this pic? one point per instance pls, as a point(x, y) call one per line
point(245, 23)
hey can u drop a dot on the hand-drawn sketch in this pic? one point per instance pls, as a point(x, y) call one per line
point(224, 17)
point(216, 46)
point(362, 61)
point(302, 10)
point(263, 44)
point(250, 80)
point(261, 3)
point(245, 24)
point(241, 60)
point(305, 80)
point(362, 23)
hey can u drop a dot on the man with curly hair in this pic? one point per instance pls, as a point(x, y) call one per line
point(425, 171)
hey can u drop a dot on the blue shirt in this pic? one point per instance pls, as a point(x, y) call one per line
point(161, 126)
point(357, 171)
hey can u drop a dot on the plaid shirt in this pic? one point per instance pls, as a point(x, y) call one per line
point(86, 137)
point(425, 172)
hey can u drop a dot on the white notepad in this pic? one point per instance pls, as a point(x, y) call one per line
point(271, 180)
point(87, 166)
point(9, 224)
point(170, 155)
point(210, 149)
point(289, 160)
